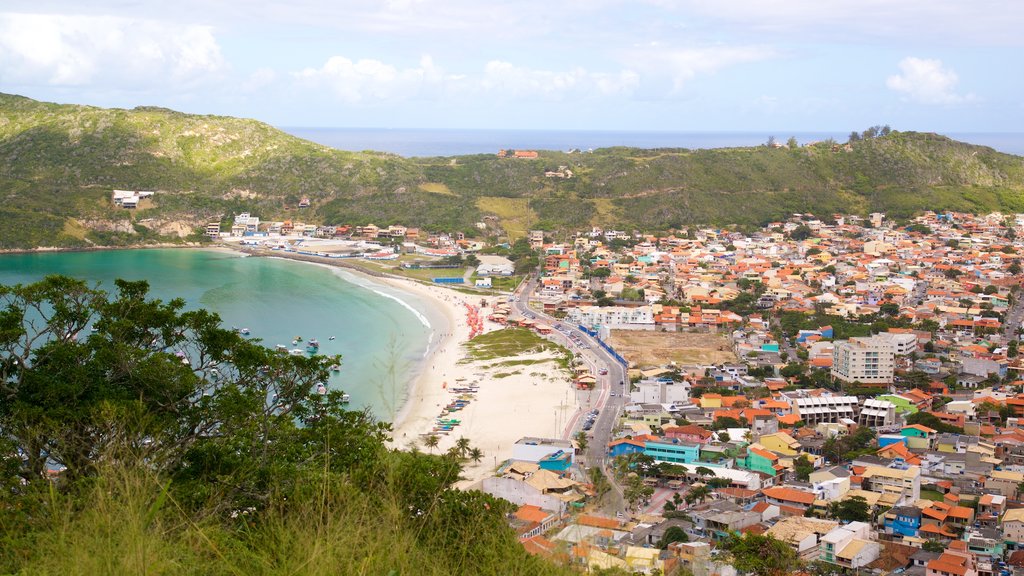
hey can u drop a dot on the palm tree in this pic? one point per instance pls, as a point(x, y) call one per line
point(462, 447)
point(697, 493)
point(476, 455)
point(581, 440)
point(431, 442)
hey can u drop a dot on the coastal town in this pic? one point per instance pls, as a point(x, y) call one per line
point(849, 386)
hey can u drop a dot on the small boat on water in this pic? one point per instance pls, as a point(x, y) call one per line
point(296, 351)
point(184, 359)
point(345, 398)
point(243, 331)
point(281, 347)
point(331, 338)
point(321, 389)
point(298, 338)
point(335, 367)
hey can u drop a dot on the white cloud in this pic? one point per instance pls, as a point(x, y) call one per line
point(369, 79)
point(65, 50)
point(681, 65)
point(506, 79)
point(926, 81)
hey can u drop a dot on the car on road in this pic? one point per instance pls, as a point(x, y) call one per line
point(603, 371)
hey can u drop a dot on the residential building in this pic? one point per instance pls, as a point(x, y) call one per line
point(802, 534)
point(594, 316)
point(865, 360)
point(952, 563)
point(675, 452)
point(877, 413)
point(903, 521)
point(897, 487)
point(815, 410)
point(757, 459)
point(1004, 482)
point(849, 546)
point(1013, 526)
point(919, 437)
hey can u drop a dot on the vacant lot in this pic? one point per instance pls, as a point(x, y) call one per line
point(649, 349)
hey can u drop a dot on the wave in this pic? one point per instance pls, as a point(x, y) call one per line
point(369, 285)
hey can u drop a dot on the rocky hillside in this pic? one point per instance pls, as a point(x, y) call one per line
point(58, 164)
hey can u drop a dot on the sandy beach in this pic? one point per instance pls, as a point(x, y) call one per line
point(526, 395)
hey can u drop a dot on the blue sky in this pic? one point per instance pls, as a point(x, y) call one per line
point(681, 65)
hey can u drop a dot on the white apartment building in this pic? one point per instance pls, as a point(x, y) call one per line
point(904, 344)
point(865, 360)
point(592, 316)
point(876, 413)
point(826, 409)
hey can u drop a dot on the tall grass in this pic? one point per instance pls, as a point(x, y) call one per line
point(128, 522)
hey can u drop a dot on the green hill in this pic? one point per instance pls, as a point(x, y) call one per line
point(58, 164)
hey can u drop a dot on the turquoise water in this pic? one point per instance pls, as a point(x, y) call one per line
point(381, 340)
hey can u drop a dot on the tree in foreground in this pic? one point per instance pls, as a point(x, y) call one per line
point(165, 432)
point(761, 554)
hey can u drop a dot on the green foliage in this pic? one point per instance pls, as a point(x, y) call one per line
point(673, 534)
point(803, 468)
point(932, 421)
point(762, 555)
point(58, 164)
point(853, 509)
point(230, 463)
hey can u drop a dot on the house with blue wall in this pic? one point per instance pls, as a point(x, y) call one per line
point(559, 461)
point(903, 521)
point(624, 446)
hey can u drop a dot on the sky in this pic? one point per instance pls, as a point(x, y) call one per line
point(640, 65)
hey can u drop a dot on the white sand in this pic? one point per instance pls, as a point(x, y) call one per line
point(532, 400)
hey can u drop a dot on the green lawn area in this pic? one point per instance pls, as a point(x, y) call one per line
point(427, 274)
point(510, 342)
point(931, 495)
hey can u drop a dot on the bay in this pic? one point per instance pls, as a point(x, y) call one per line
point(381, 333)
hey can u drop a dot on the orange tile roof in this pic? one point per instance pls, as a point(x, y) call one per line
point(598, 522)
point(789, 495)
point(531, 513)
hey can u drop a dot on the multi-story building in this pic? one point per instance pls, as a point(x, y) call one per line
point(875, 413)
point(849, 546)
point(593, 316)
point(1013, 525)
point(903, 521)
point(677, 453)
point(897, 487)
point(1004, 482)
point(864, 360)
point(818, 409)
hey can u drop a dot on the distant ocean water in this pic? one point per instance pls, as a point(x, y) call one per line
point(414, 143)
point(381, 333)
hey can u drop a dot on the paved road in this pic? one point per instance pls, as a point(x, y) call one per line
point(1014, 316)
point(609, 391)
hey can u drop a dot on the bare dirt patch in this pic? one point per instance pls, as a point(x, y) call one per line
point(650, 349)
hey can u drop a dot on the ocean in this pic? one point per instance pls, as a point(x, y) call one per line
point(381, 333)
point(420, 143)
